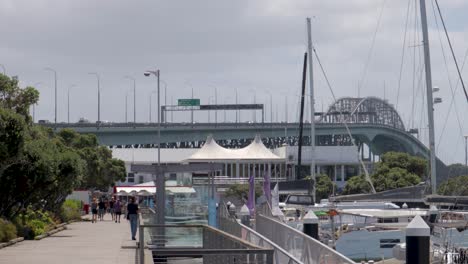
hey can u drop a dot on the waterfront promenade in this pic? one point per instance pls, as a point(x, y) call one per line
point(103, 242)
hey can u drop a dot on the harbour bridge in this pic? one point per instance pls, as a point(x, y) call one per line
point(374, 124)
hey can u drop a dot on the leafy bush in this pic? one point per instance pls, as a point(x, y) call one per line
point(241, 191)
point(71, 210)
point(32, 223)
point(7, 231)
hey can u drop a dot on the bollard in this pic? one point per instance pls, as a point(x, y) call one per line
point(433, 212)
point(311, 225)
point(417, 241)
point(232, 210)
point(244, 215)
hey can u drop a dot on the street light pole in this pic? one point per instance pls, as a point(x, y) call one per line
point(126, 99)
point(55, 81)
point(134, 97)
point(151, 104)
point(237, 111)
point(160, 181)
point(99, 96)
point(216, 103)
point(466, 150)
point(165, 99)
point(68, 103)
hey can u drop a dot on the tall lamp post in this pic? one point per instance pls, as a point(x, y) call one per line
point(126, 106)
point(98, 96)
point(55, 81)
point(134, 98)
point(151, 104)
point(160, 183)
point(466, 150)
point(68, 102)
point(237, 111)
point(255, 102)
point(165, 99)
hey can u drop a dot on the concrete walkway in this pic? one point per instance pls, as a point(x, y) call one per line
point(103, 242)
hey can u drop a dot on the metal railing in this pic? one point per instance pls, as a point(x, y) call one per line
point(208, 243)
point(303, 247)
point(229, 224)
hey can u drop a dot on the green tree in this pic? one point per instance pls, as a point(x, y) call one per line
point(38, 168)
point(324, 187)
point(392, 178)
point(16, 99)
point(101, 169)
point(394, 170)
point(456, 186)
point(356, 185)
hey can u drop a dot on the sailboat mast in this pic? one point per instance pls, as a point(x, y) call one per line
point(430, 108)
point(312, 109)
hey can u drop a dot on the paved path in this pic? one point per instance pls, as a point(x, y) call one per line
point(82, 242)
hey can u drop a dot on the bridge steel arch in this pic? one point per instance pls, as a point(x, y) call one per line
point(368, 110)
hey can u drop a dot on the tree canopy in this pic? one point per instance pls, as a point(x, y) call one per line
point(456, 186)
point(40, 168)
point(394, 170)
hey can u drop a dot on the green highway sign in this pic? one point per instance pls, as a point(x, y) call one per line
point(188, 102)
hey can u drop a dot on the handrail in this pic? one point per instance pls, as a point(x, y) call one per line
point(277, 248)
point(231, 225)
point(307, 249)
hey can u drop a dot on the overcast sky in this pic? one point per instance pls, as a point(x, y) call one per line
point(255, 47)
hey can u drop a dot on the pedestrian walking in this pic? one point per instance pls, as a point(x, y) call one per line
point(117, 210)
point(111, 208)
point(94, 210)
point(102, 209)
point(132, 216)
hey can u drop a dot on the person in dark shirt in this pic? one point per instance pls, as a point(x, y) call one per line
point(111, 208)
point(132, 216)
point(102, 209)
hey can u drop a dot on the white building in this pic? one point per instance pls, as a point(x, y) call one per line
point(339, 162)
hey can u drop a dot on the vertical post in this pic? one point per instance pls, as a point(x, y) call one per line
point(99, 99)
point(430, 108)
point(164, 118)
point(134, 102)
point(312, 108)
point(417, 241)
point(149, 97)
point(55, 78)
point(160, 181)
point(311, 223)
point(191, 112)
point(466, 150)
point(68, 106)
point(172, 112)
point(237, 110)
point(126, 99)
point(263, 115)
point(141, 244)
point(216, 103)
point(212, 203)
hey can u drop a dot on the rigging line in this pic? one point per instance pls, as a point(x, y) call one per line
point(343, 120)
point(451, 49)
point(450, 84)
point(369, 55)
point(403, 54)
